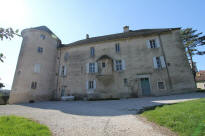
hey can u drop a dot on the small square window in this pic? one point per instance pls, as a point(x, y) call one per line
point(40, 49)
point(161, 85)
point(42, 36)
point(103, 64)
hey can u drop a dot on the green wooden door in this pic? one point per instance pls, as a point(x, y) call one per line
point(145, 86)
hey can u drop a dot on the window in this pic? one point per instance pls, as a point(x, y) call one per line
point(152, 43)
point(37, 68)
point(92, 51)
point(40, 50)
point(159, 65)
point(103, 64)
point(42, 36)
point(63, 71)
point(90, 84)
point(34, 85)
point(118, 65)
point(66, 56)
point(159, 62)
point(161, 85)
point(125, 81)
point(117, 47)
point(91, 67)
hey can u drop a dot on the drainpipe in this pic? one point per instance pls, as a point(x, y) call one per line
point(163, 53)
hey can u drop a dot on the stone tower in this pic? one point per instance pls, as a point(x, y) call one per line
point(34, 78)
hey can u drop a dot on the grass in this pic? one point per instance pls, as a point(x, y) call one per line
point(19, 126)
point(186, 118)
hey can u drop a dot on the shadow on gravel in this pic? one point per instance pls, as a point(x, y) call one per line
point(112, 107)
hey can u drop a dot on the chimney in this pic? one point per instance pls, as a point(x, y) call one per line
point(126, 29)
point(87, 36)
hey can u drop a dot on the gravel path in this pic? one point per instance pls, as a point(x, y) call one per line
point(97, 118)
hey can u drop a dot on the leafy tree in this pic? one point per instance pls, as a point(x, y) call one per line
point(192, 40)
point(1, 85)
point(7, 33)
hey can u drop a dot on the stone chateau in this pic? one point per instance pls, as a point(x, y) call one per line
point(134, 63)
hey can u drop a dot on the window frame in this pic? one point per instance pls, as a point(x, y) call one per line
point(92, 51)
point(117, 47)
point(40, 49)
point(118, 65)
point(33, 85)
point(153, 43)
point(91, 67)
point(91, 84)
point(158, 85)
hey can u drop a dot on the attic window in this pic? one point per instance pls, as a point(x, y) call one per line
point(42, 36)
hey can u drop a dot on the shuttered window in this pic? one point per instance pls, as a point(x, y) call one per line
point(37, 68)
point(153, 43)
point(159, 62)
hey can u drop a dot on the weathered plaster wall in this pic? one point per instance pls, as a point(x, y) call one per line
point(139, 63)
point(24, 75)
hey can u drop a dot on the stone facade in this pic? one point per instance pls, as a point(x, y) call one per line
point(129, 64)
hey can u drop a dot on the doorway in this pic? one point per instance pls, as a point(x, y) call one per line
point(146, 91)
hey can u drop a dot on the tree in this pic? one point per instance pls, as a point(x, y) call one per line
point(1, 85)
point(8, 33)
point(192, 40)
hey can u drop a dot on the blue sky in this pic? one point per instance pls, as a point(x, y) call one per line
point(72, 20)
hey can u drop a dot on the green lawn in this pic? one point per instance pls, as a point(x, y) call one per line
point(186, 119)
point(19, 126)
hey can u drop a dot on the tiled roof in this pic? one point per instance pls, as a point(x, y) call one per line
point(200, 76)
point(142, 32)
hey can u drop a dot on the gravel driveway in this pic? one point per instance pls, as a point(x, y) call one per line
point(97, 118)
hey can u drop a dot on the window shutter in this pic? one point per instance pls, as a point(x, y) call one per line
point(87, 82)
point(155, 62)
point(37, 68)
point(94, 84)
point(87, 68)
point(60, 69)
point(123, 64)
point(65, 71)
point(157, 42)
point(114, 65)
point(148, 44)
point(162, 62)
point(96, 67)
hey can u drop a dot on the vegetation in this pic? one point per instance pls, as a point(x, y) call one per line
point(187, 118)
point(192, 40)
point(19, 126)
